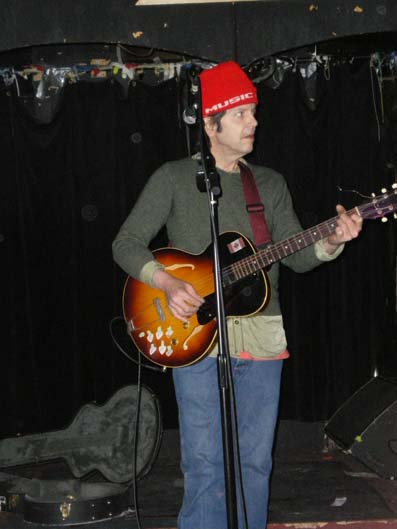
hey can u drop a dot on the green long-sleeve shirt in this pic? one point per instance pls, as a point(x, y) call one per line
point(171, 198)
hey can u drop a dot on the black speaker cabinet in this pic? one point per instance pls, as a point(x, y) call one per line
point(366, 425)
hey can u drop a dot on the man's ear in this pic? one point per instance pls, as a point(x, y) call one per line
point(209, 127)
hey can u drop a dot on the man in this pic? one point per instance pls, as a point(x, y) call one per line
point(257, 344)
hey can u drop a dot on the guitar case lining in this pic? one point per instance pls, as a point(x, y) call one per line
point(100, 438)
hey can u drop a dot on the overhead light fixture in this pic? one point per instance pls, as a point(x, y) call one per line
point(269, 70)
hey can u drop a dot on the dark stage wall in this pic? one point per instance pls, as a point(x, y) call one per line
point(68, 184)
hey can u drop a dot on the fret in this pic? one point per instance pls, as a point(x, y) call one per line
point(278, 253)
point(272, 259)
point(262, 260)
point(246, 266)
point(323, 230)
point(237, 270)
point(240, 270)
point(287, 247)
point(331, 225)
point(311, 235)
point(253, 263)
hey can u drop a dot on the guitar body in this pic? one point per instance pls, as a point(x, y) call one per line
point(167, 341)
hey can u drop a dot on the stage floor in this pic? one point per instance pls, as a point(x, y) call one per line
point(313, 481)
point(313, 484)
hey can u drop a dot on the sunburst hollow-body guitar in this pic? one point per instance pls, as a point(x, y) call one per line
point(169, 342)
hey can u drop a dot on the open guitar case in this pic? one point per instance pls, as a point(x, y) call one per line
point(100, 439)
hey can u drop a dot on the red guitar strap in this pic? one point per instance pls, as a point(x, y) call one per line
point(255, 207)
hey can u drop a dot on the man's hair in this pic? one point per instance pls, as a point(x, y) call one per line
point(215, 119)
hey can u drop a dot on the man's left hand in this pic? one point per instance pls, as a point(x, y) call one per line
point(348, 228)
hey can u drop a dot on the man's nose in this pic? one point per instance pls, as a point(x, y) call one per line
point(252, 121)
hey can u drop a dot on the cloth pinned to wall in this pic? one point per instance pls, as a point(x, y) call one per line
point(42, 85)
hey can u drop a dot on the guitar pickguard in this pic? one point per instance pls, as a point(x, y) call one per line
point(242, 299)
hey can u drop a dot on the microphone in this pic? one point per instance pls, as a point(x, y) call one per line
point(189, 115)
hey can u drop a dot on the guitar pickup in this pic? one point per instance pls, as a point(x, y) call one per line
point(130, 326)
point(159, 309)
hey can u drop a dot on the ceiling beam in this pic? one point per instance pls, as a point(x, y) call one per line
point(217, 31)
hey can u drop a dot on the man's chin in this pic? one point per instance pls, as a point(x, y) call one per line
point(249, 145)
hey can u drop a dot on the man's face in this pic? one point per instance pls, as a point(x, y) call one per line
point(237, 134)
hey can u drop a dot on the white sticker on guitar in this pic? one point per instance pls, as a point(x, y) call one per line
point(162, 348)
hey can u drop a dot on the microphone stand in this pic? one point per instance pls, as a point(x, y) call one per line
point(208, 181)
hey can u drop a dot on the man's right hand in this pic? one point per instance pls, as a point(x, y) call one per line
point(183, 300)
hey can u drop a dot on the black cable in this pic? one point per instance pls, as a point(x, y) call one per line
point(139, 363)
point(136, 440)
point(120, 348)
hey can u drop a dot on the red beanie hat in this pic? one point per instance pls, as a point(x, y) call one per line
point(225, 86)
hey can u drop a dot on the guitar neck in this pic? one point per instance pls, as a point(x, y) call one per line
point(274, 253)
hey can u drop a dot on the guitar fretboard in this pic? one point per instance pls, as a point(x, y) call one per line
point(270, 255)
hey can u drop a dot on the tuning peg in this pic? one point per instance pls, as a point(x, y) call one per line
point(394, 186)
point(395, 215)
point(383, 190)
point(384, 219)
point(373, 195)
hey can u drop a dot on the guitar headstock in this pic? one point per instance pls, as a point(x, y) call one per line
point(381, 205)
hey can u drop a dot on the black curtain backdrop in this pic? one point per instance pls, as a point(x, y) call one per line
point(69, 180)
point(340, 317)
